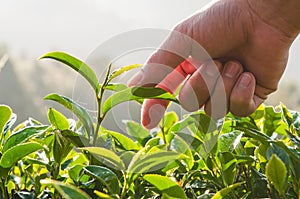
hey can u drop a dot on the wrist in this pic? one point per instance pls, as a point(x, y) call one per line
point(281, 14)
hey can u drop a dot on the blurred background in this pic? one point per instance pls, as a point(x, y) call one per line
point(30, 28)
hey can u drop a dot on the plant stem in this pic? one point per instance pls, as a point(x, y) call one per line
point(124, 189)
point(99, 97)
point(163, 130)
point(4, 189)
point(99, 118)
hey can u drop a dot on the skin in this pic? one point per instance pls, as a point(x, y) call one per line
point(249, 43)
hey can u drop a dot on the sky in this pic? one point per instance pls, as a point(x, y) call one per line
point(78, 26)
point(32, 27)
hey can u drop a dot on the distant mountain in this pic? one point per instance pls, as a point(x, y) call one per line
point(14, 94)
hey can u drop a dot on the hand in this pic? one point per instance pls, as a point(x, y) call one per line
point(228, 30)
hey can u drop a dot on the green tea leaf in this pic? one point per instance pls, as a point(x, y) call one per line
point(136, 93)
point(168, 188)
point(287, 115)
point(23, 135)
point(271, 120)
point(276, 173)
point(180, 125)
point(169, 119)
point(105, 176)
point(116, 87)
point(102, 195)
point(180, 145)
point(291, 151)
point(16, 153)
point(228, 166)
point(138, 132)
point(77, 65)
point(280, 153)
point(122, 70)
point(75, 171)
point(152, 161)
point(61, 147)
point(67, 191)
point(228, 141)
point(5, 114)
point(253, 133)
point(76, 139)
point(123, 141)
point(259, 184)
point(225, 191)
point(58, 120)
point(294, 139)
point(107, 155)
point(194, 142)
point(78, 110)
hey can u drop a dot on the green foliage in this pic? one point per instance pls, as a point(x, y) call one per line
point(67, 191)
point(168, 188)
point(136, 93)
point(276, 173)
point(190, 157)
point(77, 65)
point(17, 152)
point(78, 110)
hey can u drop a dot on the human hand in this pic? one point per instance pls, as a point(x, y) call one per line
point(227, 30)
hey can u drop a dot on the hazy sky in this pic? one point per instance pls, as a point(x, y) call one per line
point(33, 27)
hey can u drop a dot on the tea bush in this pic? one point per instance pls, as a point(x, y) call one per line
point(195, 157)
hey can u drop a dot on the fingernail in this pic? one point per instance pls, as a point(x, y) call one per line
point(211, 70)
point(152, 112)
point(231, 69)
point(245, 81)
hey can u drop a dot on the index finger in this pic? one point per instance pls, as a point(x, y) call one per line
point(174, 50)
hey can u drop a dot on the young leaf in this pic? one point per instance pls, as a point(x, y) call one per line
point(61, 147)
point(138, 132)
point(105, 176)
point(16, 153)
point(5, 114)
point(228, 141)
point(271, 120)
point(116, 87)
point(276, 173)
point(228, 165)
point(224, 192)
point(78, 110)
point(107, 155)
point(102, 195)
point(166, 186)
point(76, 64)
point(66, 190)
point(122, 70)
point(58, 120)
point(136, 93)
point(23, 135)
point(125, 142)
point(9, 124)
point(169, 119)
point(152, 161)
